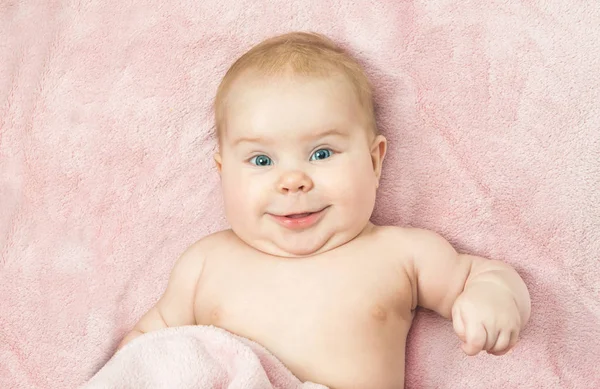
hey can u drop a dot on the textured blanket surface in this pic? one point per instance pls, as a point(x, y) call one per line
point(491, 108)
point(194, 357)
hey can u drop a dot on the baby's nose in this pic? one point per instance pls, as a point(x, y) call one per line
point(294, 181)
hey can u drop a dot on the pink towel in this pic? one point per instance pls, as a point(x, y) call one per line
point(194, 357)
point(491, 108)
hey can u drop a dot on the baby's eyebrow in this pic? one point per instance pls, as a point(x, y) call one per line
point(311, 136)
point(237, 141)
point(328, 132)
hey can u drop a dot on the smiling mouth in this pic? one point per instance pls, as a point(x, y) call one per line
point(299, 220)
point(300, 215)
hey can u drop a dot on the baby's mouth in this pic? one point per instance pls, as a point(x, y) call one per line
point(300, 215)
point(299, 221)
point(304, 214)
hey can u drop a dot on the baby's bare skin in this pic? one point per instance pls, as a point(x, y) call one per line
point(302, 271)
point(339, 318)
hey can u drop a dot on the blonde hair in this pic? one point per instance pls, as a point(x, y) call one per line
point(298, 53)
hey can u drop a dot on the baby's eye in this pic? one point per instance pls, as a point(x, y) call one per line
point(320, 154)
point(261, 160)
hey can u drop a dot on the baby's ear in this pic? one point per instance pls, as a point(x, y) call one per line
point(378, 149)
point(218, 162)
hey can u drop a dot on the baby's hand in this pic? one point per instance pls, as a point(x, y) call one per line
point(486, 317)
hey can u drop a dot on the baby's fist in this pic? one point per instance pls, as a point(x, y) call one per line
point(486, 317)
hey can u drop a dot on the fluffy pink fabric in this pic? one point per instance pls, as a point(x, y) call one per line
point(492, 110)
point(195, 357)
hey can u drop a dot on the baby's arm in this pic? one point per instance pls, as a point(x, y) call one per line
point(487, 300)
point(176, 306)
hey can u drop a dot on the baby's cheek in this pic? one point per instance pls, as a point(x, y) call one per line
point(235, 193)
point(254, 193)
point(354, 188)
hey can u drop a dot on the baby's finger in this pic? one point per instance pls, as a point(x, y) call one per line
point(501, 346)
point(458, 324)
point(514, 338)
point(491, 338)
point(476, 338)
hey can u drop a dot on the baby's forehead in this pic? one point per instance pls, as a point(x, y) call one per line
point(254, 89)
point(253, 77)
point(314, 102)
point(287, 97)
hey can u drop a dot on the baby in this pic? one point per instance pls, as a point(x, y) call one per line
point(303, 271)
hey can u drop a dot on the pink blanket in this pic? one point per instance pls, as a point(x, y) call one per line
point(492, 109)
point(194, 357)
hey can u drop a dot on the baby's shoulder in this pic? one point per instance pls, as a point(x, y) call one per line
point(196, 254)
point(404, 239)
point(216, 239)
point(210, 245)
point(397, 234)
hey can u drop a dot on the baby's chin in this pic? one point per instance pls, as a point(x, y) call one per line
point(300, 245)
point(292, 249)
point(300, 250)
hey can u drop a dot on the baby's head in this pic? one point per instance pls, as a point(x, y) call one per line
point(299, 154)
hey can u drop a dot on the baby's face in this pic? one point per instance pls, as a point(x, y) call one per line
point(299, 167)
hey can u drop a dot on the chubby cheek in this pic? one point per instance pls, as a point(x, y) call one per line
point(244, 197)
point(353, 187)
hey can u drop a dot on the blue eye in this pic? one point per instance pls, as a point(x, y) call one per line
point(320, 154)
point(261, 160)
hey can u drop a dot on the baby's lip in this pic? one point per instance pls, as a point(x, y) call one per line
point(298, 214)
point(299, 221)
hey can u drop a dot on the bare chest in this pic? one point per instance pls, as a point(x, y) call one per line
point(325, 320)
